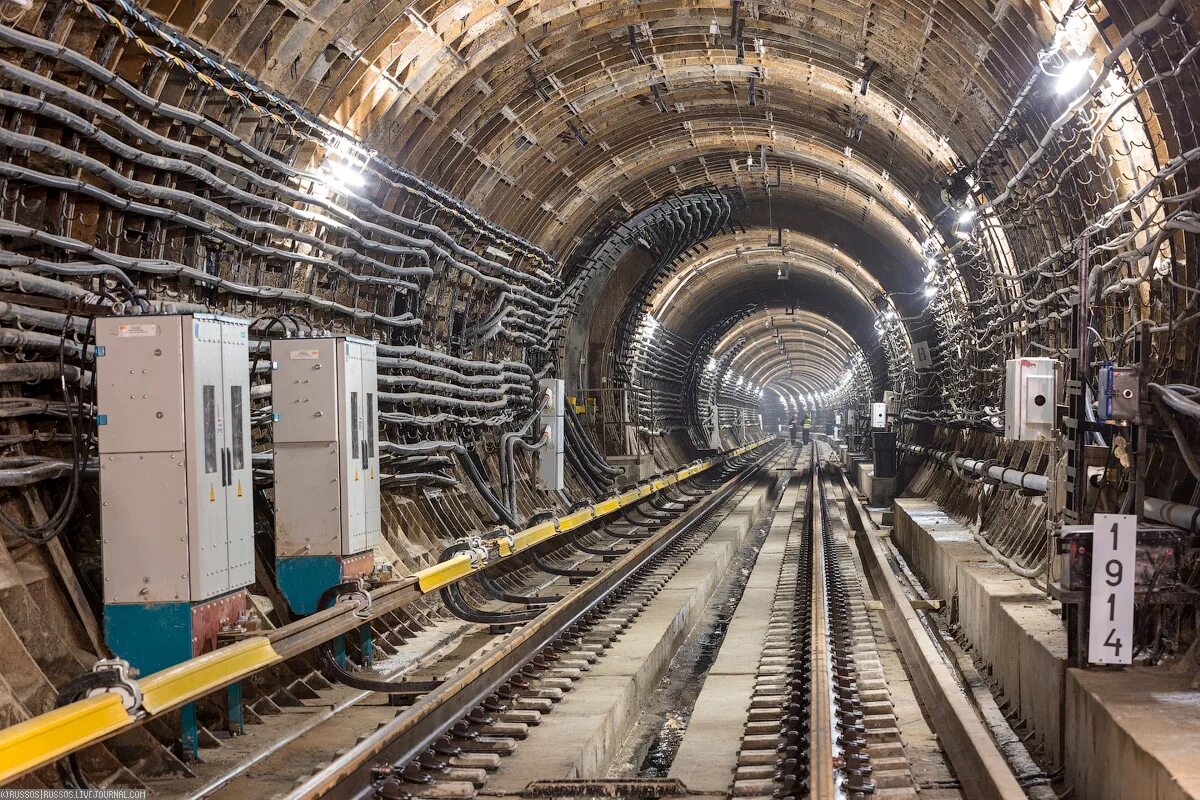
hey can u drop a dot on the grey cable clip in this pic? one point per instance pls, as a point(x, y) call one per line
point(476, 551)
point(124, 684)
point(362, 599)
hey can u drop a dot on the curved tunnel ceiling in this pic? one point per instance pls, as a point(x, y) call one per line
point(835, 126)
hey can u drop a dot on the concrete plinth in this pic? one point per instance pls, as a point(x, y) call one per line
point(637, 468)
point(1119, 734)
point(879, 491)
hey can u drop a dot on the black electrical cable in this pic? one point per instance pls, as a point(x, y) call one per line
point(333, 669)
point(57, 522)
point(69, 771)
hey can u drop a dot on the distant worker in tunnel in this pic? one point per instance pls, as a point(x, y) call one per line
point(807, 428)
point(792, 427)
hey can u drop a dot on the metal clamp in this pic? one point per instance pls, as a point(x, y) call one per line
point(123, 683)
point(362, 599)
point(476, 550)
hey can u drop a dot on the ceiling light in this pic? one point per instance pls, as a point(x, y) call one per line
point(931, 262)
point(931, 291)
point(966, 217)
point(345, 175)
point(1072, 74)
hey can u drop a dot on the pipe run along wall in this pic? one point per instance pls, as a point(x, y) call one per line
point(1157, 509)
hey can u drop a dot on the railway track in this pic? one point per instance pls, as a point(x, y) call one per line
point(819, 719)
point(444, 741)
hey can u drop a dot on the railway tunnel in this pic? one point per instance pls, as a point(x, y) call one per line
point(639, 399)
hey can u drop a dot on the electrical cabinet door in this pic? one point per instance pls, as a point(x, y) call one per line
point(306, 374)
point(139, 386)
point(205, 419)
point(373, 526)
point(307, 499)
point(239, 483)
point(354, 450)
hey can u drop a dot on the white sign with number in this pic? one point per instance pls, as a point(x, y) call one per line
point(1114, 549)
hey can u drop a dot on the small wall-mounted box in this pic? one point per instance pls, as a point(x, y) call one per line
point(550, 457)
point(1030, 398)
point(879, 413)
point(1120, 394)
point(325, 398)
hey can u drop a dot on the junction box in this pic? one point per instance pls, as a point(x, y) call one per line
point(550, 457)
point(325, 398)
point(1030, 398)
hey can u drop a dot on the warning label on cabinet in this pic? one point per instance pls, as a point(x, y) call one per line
point(132, 329)
point(304, 355)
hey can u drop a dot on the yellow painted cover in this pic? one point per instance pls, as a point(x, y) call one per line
point(607, 506)
point(47, 737)
point(196, 677)
point(444, 572)
point(531, 536)
point(572, 521)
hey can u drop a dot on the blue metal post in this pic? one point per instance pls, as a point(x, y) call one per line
point(233, 709)
point(339, 651)
point(368, 646)
point(189, 729)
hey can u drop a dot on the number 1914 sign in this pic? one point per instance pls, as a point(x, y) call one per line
point(1110, 629)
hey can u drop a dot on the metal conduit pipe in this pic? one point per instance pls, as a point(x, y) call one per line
point(1177, 514)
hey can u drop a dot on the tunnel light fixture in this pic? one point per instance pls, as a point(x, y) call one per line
point(931, 291)
point(345, 164)
point(931, 262)
point(346, 175)
point(1072, 75)
point(966, 217)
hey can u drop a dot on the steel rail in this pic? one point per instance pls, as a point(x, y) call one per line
point(412, 732)
point(977, 761)
point(822, 780)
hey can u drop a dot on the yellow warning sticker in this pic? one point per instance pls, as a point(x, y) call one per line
point(239, 488)
point(356, 473)
point(212, 494)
